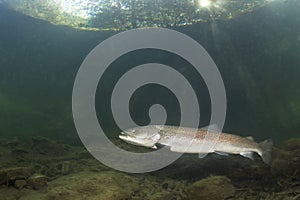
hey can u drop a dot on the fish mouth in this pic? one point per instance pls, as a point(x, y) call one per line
point(126, 136)
point(131, 138)
point(123, 137)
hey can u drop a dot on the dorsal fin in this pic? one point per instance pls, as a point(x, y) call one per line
point(211, 127)
point(250, 138)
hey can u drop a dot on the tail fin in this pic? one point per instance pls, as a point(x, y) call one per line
point(266, 151)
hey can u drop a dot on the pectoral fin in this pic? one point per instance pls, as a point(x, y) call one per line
point(247, 155)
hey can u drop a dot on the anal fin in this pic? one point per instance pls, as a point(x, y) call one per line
point(247, 155)
point(221, 153)
point(202, 155)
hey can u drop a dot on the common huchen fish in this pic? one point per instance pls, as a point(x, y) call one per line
point(202, 141)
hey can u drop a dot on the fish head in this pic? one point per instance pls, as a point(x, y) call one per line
point(146, 136)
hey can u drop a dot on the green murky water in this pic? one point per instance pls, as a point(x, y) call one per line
point(257, 54)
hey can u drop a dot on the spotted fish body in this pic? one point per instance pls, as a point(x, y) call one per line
point(202, 141)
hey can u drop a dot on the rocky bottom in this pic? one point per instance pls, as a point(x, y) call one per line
point(47, 170)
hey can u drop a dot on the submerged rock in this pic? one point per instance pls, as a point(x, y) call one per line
point(65, 167)
point(162, 195)
point(37, 181)
point(10, 175)
point(93, 186)
point(45, 146)
point(292, 145)
point(287, 157)
point(19, 184)
point(211, 188)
